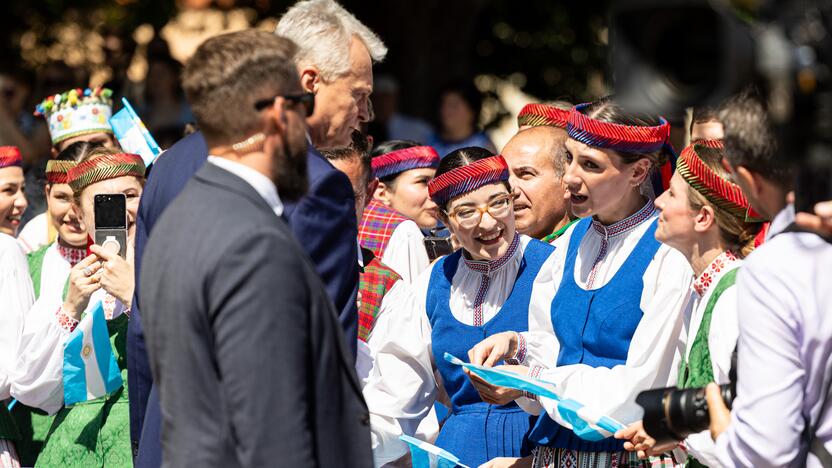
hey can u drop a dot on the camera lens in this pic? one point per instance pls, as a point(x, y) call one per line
point(671, 414)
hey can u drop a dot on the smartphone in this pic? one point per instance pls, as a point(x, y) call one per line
point(111, 222)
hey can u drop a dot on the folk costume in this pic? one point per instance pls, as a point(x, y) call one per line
point(711, 314)
point(95, 432)
point(49, 269)
point(70, 114)
point(15, 299)
point(615, 319)
point(455, 304)
point(394, 239)
point(375, 281)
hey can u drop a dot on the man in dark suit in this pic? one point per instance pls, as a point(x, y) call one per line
point(323, 221)
point(250, 362)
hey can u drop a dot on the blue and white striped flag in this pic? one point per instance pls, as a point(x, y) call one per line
point(90, 368)
point(426, 455)
point(584, 421)
point(132, 135)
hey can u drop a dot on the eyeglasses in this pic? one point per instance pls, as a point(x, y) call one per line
point(307, 100)
point(470, 216)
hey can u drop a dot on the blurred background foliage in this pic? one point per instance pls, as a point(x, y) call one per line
point(514, 51)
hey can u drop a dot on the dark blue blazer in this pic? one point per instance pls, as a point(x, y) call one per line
point(323, 222)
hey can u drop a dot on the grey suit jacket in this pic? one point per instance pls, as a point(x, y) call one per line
point(244, 342)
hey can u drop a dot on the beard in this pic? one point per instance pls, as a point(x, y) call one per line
point(289, 167)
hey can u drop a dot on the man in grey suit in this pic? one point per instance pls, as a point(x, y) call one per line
point(244, 343)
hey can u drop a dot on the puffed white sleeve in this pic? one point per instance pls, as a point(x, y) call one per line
point(654, 354)
point(16, 298)
point(538, 346)
point(405, 252)
point(722, 339)
point(38, 376)
point(401, 388)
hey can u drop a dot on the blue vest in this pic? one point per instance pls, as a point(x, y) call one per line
point(595, 327)
point(476, 431)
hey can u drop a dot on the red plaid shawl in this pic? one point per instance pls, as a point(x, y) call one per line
point(377, 225)
point(374, 282)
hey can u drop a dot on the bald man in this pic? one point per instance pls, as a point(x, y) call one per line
point(535, 159)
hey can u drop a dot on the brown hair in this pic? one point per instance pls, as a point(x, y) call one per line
point(737, 234)
point(607, 110)
point(750, 138)
point(229, 73)
point(702, 114)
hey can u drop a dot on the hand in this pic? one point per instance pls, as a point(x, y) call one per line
point(639, 441)
point(719, 413)
point(81, 286)
point(820, 222)
point(506, 462)
point(493, 394)
point(492, 349)
point(117, 277)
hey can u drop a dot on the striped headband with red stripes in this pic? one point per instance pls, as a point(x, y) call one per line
point(536, 115)
point(716, 189)
point(405, 159)
point(110, 166)
point(462, 180)
point(10, 156)
point(57, 172)
point(627, 139)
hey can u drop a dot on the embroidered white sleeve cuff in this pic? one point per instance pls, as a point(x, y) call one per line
point(520, 353)
point(65, 321)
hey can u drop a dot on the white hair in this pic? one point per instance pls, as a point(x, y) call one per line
point(323, 31)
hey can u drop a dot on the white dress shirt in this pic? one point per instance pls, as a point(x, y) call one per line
point(262, 184)
point(785, 342)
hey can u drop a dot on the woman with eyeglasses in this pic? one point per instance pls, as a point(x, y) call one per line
point(487, 287)
point(616, 318)
point(401, 206)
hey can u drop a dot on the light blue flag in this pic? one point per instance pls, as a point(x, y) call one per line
point(426, 455)
point(132, 135)
point(90, 370)
point(584, 421)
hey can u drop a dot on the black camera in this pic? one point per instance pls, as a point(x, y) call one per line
point(671, 414)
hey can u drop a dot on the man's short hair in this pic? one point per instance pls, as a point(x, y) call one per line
point(229, 73)
point(359, 149)
point(750, 140)
point(702, 114)
point(323, 31)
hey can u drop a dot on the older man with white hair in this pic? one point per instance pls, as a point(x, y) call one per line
point(334, 61)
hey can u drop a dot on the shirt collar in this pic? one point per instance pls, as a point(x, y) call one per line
point(260, 183)
point(781, 221)
point(487, 267)
point(627, 224)
point(708, 277)
point(71, 254)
